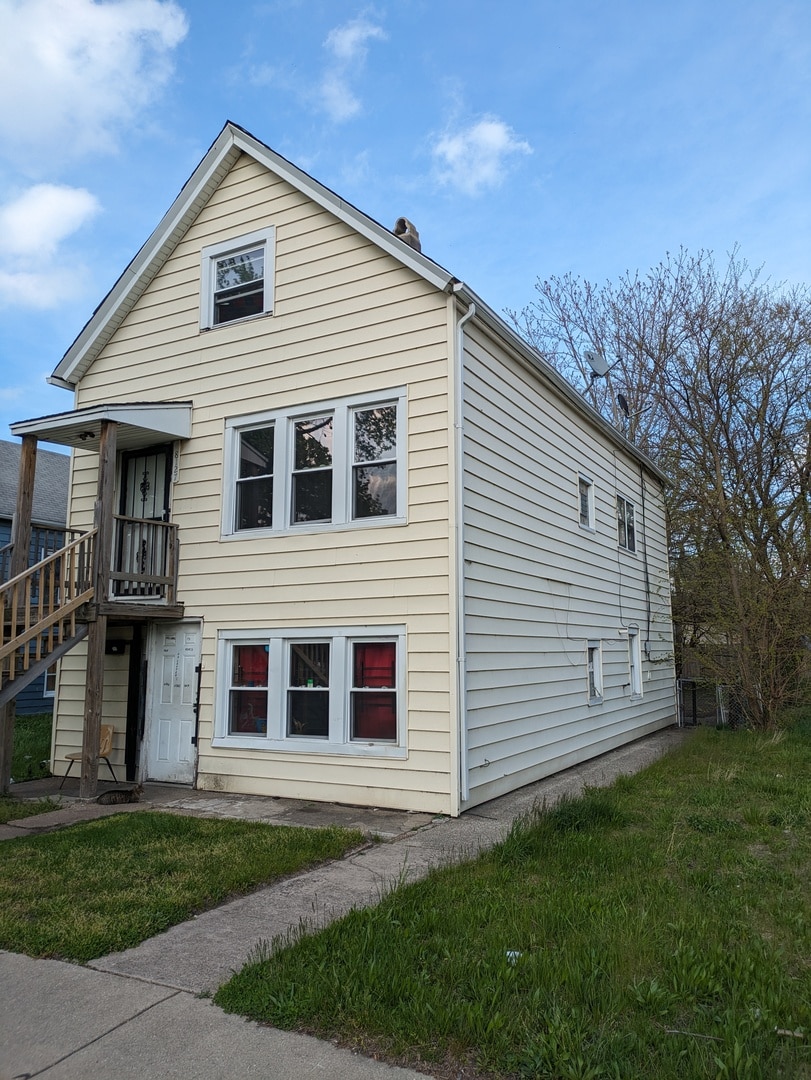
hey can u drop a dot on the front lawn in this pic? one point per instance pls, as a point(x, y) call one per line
point(107, 885)
point(658, 929)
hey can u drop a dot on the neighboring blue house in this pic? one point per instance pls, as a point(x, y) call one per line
point(47, 534)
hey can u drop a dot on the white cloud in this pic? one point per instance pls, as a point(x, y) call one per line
point(33, 273)
point(476, 157)
point(76, 70)
point(348, 45)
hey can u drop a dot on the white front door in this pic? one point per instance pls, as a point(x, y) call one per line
point(174, 656)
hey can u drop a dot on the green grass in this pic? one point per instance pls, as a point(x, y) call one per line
point(13, 809)
point(657, 929)
point(106, 885)
point(32, 747)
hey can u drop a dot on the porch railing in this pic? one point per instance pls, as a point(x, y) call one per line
point(39, 605)
point(144, 560)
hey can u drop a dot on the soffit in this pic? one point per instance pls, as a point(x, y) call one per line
point(140, 424)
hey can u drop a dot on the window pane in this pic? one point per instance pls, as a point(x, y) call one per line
point(585, 516)
point(314, 443)
point(375, 433)
point(312, 496)
point(248, 712)
point(374, 716)
point(308, 714)
point(239, 302)
point(256, 452)
point(309, 663)
point(375, 664)
point(255, 503)
point(250, 665)
point(240, 269)
point(374, 490)
point(631, 533)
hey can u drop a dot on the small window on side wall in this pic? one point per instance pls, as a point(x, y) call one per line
point(594, 671)
point(585, 493)
point(626, 529)
point(236, 279)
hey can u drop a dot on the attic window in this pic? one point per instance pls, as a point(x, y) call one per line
point(236, 279)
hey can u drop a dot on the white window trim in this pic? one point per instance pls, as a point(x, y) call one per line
point(46, 693)
point(339, 742)
point(597, 647)
point(627, 503)
point(263, 237)
point(635, 662)
point(284, 420)
point(588, 526)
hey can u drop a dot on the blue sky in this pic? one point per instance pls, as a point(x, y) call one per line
point(525, 139)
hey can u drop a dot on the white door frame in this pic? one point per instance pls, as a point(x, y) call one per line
point(154, 672)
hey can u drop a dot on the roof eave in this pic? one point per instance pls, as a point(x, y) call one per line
point(491, 320)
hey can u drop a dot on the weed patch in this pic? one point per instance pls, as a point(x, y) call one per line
point(657, 929)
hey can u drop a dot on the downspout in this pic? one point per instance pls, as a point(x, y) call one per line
point(459, 454)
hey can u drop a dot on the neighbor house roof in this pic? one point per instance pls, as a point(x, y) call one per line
point(50, 508)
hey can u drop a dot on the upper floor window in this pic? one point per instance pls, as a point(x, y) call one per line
point(626, 531)
point(585, 493)
point(335, 464)
point(236, 279)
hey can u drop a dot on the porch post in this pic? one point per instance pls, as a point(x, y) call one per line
point(21, 539)
point(97, 628)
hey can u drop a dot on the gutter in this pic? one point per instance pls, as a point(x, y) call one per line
point(459, 554)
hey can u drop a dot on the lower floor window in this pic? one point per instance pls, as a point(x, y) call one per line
point(341, 688)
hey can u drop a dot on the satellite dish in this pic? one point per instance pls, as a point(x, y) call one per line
point(597, 362)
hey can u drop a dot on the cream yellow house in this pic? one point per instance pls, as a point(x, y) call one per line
point(349, 538)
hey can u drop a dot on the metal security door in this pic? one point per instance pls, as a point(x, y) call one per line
point(173, 684)
point(145, 481)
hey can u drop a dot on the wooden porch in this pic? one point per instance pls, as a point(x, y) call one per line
point(123, 570)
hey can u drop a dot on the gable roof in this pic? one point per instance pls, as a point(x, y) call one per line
point(224, 151)
point(195, 193)
point(50, 508)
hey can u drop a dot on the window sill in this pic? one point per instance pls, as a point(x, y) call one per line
point(236, 322)
point(310, 747)
point(386, 522)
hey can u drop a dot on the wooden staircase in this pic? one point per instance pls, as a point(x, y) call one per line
point(39, 608)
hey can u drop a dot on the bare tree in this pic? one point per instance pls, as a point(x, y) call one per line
point(714, 372)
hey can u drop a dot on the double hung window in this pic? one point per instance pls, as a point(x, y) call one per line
point(338, 690)
point(236, 279)
point(626, 531)
point(336, 464)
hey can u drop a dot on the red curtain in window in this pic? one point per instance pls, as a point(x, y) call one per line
point(374, 716)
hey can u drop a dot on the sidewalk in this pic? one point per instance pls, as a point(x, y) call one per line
point(131, 1013)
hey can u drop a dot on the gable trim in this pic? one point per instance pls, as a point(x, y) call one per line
point(223, 153)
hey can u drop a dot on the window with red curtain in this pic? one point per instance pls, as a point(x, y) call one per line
point(249, 706)
point(373, 695)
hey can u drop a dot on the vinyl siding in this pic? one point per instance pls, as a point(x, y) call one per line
point(347, 320)
point(538, 587)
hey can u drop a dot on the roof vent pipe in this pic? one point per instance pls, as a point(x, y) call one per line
point(405, 231)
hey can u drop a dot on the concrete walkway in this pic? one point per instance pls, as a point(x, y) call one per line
point(137, 1013)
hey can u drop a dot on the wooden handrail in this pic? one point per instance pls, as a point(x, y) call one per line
point(39, 605)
